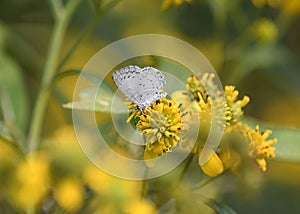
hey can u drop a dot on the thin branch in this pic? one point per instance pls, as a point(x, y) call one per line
point(58, 8)
point(86, 33)
point(186, 166)
point(208, 181)
point(59, 31)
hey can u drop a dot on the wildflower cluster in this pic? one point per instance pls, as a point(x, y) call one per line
point(58, 177)
point(167, 123)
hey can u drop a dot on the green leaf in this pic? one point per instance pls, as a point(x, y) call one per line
point(288, 145)
point(168, 207)
point(219, 207)
point(13, 93)
point(249, 59)
point(16, 46)
point(98, 98)
point(192, 202)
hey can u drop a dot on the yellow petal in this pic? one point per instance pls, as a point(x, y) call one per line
point(213, 166)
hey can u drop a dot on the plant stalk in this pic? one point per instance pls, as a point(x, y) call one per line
point(57, 37)
point(86, 33)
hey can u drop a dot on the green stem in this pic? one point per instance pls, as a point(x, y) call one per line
point(86, 33)
point(186, 166)
point(59, 31)
point(208, 181)
point(89, 29)
point(16, 46)
point(145, 184)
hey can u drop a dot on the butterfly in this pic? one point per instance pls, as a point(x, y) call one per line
point(140, 85)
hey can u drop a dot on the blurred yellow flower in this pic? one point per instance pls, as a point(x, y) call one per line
point(260, 147)
point(6, 152)
point(166, 4)
point(141, 206)
point(110, 189)
point(259, 3)
point(265, 31)
point(231, 159)
point(65, 154)
point(271, 3)
point(290, 7)
point(32, 182)
point(9, 160)
point(69, 194)
point(97, 180)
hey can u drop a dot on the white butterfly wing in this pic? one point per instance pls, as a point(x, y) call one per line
point(141, 86)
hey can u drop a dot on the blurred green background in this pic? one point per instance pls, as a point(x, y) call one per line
point(254, 45)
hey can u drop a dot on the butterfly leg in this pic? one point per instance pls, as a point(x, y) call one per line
point(146, 109)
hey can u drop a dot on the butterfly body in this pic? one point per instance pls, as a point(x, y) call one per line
point(140, 85)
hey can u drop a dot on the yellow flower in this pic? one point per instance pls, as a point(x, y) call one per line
point(112, 191)
point(97, 180)
point(166, 4)
point(234, 106)
point(65, 154)
point(32, 182)
point(260, 147)
point(190, 119)
point(134, 111)
point(262, 3)
point(231, 159)
point(265, 31)
point(69, 194)
point(259, 3)
point(160, 123)
point(198, 87)
point(291, 7)
point(141, 206)
point(274, 3)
